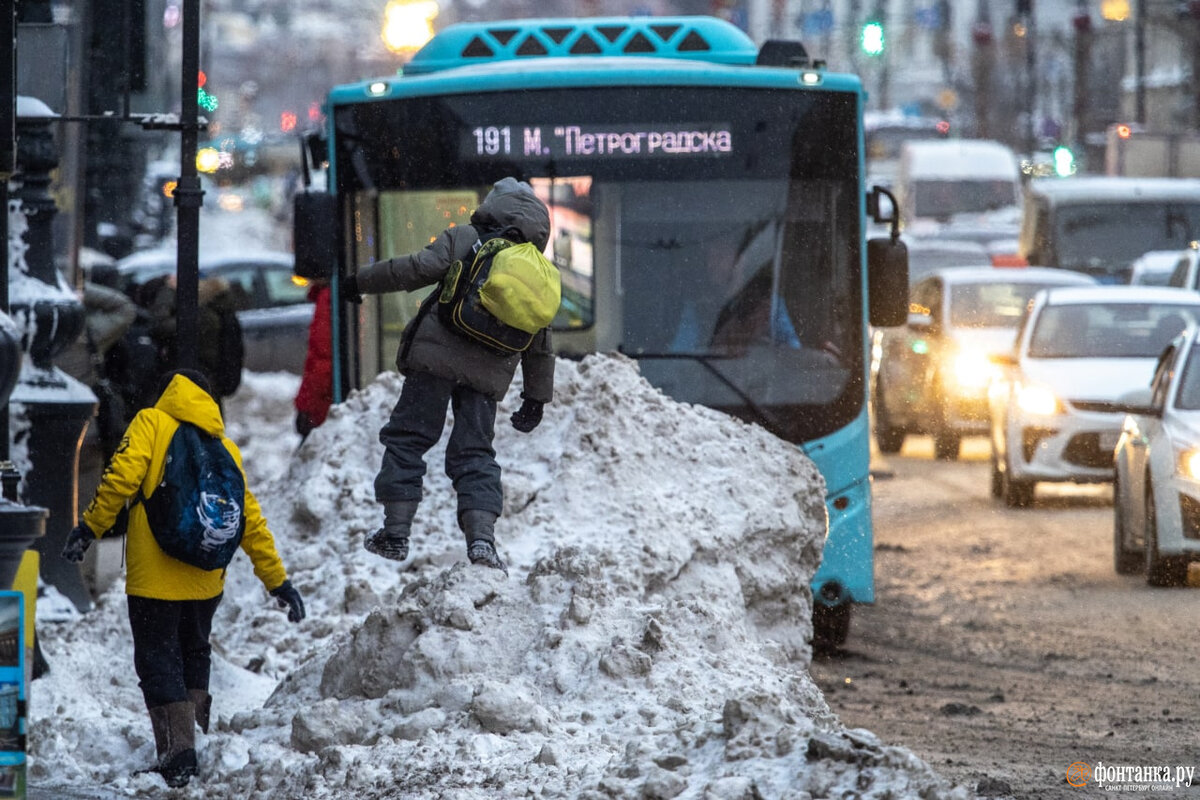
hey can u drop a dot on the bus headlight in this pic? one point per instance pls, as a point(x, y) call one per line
point(1187, 463)
point(1037, 400)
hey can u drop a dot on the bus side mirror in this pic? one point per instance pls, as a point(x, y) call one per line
point(887, 282)
point(314, 229)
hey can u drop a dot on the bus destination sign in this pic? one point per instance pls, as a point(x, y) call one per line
point(579, 141)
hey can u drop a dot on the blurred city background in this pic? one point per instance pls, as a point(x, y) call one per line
point(1034, 74)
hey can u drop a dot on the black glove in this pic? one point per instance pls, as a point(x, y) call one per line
point(78, 541)
point(348, 288)
point(304, 423)
point(289, 598)
point(527, 417)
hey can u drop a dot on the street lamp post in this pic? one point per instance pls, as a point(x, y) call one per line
point(49, 409)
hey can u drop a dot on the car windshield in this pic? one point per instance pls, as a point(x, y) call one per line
point(990, 305)
point(1187, 398)
point(944, 198)
point(1108, 330)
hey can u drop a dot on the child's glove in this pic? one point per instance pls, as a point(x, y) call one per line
point(304, 423)
point(78, 541)
point(348, 288)
point(289, 598)
point(527, 417)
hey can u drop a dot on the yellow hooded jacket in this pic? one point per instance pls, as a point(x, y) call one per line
point(139, 463)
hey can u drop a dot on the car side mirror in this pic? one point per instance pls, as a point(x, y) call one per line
point(314, 224)
point(887, 282)
point(1003, 359)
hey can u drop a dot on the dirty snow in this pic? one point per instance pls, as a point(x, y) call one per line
point(650, 641)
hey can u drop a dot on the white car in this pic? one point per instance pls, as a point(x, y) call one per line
point(1156, 483)
point(932, 375)
point(1055, 413)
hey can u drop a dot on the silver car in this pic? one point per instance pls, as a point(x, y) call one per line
point(932, 375)
point(1055, 407)
point(1156, 484)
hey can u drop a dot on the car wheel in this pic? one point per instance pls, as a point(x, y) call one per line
point(997, 476)
point(1160, 570)
point(1017, 494)
point(945, 439)
point(1125, 561)
point(946, 444)
point(831, 626)
point(889, 438)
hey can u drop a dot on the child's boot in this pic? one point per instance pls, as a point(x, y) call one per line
point(391, 541)
point(480, 530)
point(174, 727)
point(202, 700)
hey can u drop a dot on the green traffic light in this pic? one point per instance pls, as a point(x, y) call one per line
point(1064, 161)
point(871, 39)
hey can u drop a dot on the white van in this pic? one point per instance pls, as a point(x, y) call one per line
point(941, 179)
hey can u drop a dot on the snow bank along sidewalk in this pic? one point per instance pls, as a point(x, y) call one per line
point(650, 642)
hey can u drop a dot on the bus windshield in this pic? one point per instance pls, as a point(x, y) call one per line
point(711, 233)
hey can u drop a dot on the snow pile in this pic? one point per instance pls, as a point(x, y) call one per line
point(649, 642)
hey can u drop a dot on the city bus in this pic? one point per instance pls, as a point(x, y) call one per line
point(708, 220)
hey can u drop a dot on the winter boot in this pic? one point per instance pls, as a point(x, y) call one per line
point(175, 740)
point(479, 528)
point(202, 700)
point(391, 541)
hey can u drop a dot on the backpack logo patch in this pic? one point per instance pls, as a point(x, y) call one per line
point(506, 295)
point(196, 513)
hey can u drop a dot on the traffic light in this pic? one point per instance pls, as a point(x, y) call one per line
point(1064, 161)
point(871, 38)
point(204, 98)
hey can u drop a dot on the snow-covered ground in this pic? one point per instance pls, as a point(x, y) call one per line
point(650, 641)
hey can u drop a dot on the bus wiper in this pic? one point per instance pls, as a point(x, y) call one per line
point(705, 360)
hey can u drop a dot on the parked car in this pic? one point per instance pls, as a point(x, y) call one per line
point(1156, 482)
point(1100, 225)
point(275, 323)
point(1054, 406)
point(932, 375)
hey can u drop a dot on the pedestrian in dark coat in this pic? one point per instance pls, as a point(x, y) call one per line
point(442, 367)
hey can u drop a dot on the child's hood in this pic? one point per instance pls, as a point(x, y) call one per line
point(513, 204)
point(187, 402)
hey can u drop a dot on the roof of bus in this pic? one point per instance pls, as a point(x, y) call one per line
point(692, 37)
point(633, 51)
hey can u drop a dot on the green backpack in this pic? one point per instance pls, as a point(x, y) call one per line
point(506, 295)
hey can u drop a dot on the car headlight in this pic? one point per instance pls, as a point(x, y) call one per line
point(972, 370)
point(1187, 463)
point(1037, 400)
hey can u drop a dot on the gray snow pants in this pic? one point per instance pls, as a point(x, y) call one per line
point(416, 425)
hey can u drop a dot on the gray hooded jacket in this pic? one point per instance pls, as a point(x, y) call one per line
point(436, 349)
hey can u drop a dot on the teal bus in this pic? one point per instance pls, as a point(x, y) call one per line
point(708, 214)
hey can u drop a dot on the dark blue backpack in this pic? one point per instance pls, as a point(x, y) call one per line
point(196, 513)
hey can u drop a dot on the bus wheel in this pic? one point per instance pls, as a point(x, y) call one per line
point(831, 626)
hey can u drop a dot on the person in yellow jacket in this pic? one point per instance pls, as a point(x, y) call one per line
point(171, 604)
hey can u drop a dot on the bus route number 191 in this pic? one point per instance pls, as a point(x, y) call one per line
point(492, 141)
